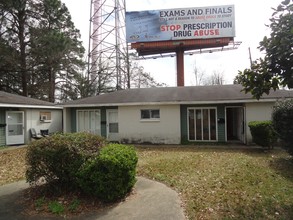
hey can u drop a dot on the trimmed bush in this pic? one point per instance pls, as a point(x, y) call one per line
point(57, 158)
point(82, 161)
point(282, 117)
point(262, 133)
point(111, 175)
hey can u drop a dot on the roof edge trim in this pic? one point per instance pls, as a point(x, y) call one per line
point(30, 106)
point(169, 103)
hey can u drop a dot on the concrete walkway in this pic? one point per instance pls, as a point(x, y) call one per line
point(152, 200)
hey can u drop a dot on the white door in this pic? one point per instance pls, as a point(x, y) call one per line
point(112, 125)
point(242, 116)
point(241, 131)
point(14, 128)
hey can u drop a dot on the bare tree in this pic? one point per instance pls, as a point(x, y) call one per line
point(199, 75)
point(217, 78)
point(141, 79)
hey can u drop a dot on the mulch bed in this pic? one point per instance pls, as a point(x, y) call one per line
point(36, 201)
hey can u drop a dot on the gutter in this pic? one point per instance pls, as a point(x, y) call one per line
point(169, 103)
point(30, 106)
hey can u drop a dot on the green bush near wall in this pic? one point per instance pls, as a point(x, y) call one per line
point(282, 117)
point(57, 158)
point(84, 162)
point(263, 133)
point(111, 175)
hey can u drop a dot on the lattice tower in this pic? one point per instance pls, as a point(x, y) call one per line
point(107, 58)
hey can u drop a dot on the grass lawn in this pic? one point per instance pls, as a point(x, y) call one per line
point(224, 184)
point(213, 183)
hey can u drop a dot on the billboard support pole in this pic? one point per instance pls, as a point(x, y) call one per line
point(180, 67)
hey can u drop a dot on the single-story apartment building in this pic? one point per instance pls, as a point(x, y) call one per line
point(171, 115)
point(18, 114)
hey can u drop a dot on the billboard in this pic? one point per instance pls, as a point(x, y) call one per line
point(180, 24)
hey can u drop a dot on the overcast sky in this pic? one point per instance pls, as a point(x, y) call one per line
point(250, 20)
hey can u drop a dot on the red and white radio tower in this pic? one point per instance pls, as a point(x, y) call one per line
point(108, 54)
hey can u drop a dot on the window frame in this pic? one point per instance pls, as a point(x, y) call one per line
point(201, 118)
point(45, 116)
point(151, 118)
point(88, 122)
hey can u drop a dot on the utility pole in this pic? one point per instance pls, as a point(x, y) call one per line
point(250, 57)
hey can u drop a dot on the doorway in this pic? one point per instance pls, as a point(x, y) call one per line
point(14, 127)
point(235, 131)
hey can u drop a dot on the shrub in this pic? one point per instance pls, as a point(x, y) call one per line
point(56, 207)
point(262, 133)
point(57, 158)
point(282, 117)
point(111, 175)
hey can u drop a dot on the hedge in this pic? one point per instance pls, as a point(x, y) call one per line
point(263, 133)
point(111, 175)
point(282, 117)
point(84, 162)
point(57, 158)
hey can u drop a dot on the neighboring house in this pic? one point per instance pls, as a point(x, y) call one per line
point(18, 114)
point(171, 115)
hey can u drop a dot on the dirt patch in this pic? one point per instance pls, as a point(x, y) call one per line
point(12, 165)
point(67, 204)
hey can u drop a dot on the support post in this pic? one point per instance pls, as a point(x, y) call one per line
point(180, 67)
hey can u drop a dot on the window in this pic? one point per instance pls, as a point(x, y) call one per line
point(150, 114)
point(89, 121)
point(45, 116)
point(113, 121)
point(202, 124)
